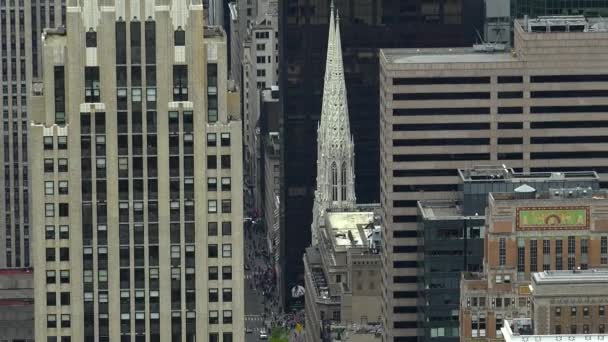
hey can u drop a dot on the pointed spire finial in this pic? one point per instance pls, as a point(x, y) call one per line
point(337, 16)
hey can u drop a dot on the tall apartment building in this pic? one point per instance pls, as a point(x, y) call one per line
point(136, 170)
point(528, 232)
point(444, 109)
point(21, 25)
point(367, 26)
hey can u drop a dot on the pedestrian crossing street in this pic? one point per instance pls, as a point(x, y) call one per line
point(253, 318)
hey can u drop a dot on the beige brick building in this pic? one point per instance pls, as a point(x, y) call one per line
point(567, 302)
point(527, 233)
point(137, 178)
point(539, 107)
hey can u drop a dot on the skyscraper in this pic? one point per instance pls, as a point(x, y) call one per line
point(450, 108)
point(137, 175)
point(366, 26)
point(21, 25)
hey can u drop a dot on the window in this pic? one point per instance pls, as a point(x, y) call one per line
point(227, 250)
point(602, 329)
point(64, 209)
point(180, 83)
point(64, 254)
point(212, 251)
point(260, 47)
point(64, 276)
point(521, 254)
point(573, 329)
point(64, 298)
point(211, 139)
point(49, 232)
point(51, 299)
point(213, 295)
point(213, 317)
point(226, 228)
point(212, 229)
point(573, 311)
point(226, 272)
point(49, 209)
point(225, 139)
point(502, 251)
point(49, 188)
point(558, 329)
point(604, 250)
point(212, 206)
point(227, 317)
point(585, 311)
point(49, 165)
point(213, 273)
point(227, 295)
point(211, 162)
point(62, 165)
point(51, 277)
point(50, 254)
point(62, 142)
point(533, 256)
point(211, 184)
point(226, 184)
point(65, 321)
point(584, 246)
point(63, 187)
point(225, 159)
point(48, 143)
point(226, 206)
point(558, 311)
point(601, 311)
point(51, 321)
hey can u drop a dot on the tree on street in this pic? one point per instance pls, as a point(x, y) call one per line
point(279, 335)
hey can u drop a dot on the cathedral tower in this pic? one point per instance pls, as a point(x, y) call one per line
point(335, 147)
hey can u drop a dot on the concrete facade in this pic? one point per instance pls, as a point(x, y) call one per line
point(21, 27)
point(569, 302)
point(444, 109)
point(342, 276)
point(562, 229)
point(17, 305)
point(137, 175)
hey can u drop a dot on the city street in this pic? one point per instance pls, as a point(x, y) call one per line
point(261, 302)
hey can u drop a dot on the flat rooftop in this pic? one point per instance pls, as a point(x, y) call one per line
point(350, 228)
point(445, 55)
point(571, 277)
point(553, 194)
point(501, 172)
point(444, 209)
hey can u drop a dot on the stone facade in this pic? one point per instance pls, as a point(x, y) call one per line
point(137, 177)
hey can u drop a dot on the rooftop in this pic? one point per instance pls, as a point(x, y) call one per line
point(563, 23)
point(440, 209)
point(350, 228)
point(553, 194)
point(446, 55)
point(570, 277)
point(520, 330)
point(484, 173)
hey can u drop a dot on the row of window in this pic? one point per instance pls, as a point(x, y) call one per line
point(601, 311)
point(63, 209)
point(486, 126)
point(62, 187)
point(62, 142)
point(585, 330)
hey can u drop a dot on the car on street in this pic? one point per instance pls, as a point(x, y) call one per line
point(263, 335)
point(248, 331)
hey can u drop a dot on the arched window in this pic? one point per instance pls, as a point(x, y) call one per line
point(343, 181)
point(334, 182)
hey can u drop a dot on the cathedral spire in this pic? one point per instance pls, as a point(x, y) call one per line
point(335, 146)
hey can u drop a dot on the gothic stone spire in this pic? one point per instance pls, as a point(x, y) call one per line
point(335, 146)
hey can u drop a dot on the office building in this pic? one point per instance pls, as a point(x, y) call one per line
point(535, 8)
point(17, 305)
point(260, 74)
point(527, 232)
point(133, 243)
point(444, 109)
point(520, 330)
point(452, 234)
point(21, 26)
point(569, 302)
point(366, 26)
